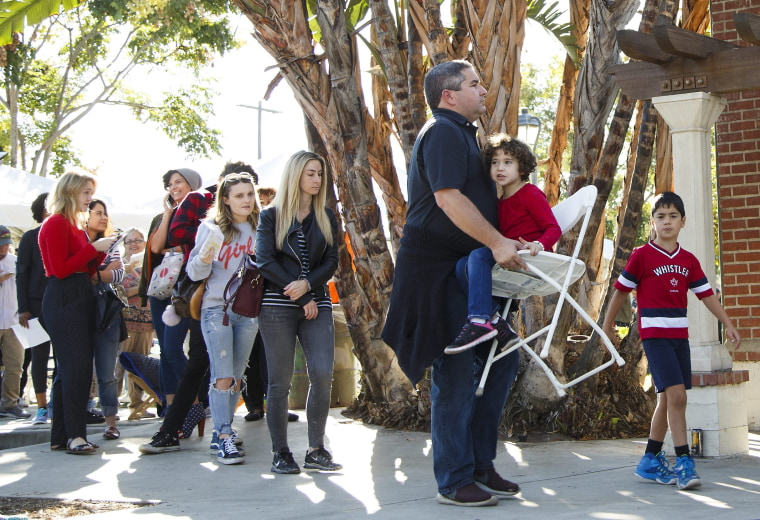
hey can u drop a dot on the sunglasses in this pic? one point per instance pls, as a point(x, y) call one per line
point(235, 178)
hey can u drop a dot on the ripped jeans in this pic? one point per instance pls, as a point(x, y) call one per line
point(228, 350)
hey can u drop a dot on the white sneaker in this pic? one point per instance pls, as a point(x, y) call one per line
point(22, 403)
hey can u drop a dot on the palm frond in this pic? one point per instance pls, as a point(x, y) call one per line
point(15, 14)
point(546, 15)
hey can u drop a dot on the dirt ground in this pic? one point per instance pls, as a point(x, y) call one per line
point(50, 508)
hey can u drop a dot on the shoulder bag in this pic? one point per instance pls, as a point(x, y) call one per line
point(245, 290)
point(108, 305)
point(187, 296)
point(165, 276)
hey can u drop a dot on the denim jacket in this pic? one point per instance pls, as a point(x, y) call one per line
point(280, 267)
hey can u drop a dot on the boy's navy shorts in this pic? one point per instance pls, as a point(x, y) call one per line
point(669, 362)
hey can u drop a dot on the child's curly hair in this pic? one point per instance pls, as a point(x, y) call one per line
point(517, 149)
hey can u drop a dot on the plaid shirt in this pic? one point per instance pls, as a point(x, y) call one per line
point(187, 218)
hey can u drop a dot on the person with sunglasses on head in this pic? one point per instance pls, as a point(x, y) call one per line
point(228, 335)
point(297, 254)
point(192, 391)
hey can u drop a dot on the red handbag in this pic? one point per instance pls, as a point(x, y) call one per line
point(244, 291)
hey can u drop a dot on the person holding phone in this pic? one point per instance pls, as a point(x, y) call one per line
point(178, 183)
point(69, 306)
point(106, 343)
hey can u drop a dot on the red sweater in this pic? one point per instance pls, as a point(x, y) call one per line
point(527, 214)
point(65, 249)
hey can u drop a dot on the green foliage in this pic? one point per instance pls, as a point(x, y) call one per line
point(15, 14)
point(182, 116)
point(88, 53)
point(539, 92)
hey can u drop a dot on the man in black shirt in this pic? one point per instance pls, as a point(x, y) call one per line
point(452, 210)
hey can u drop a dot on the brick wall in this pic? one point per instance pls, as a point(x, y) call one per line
point(738, 162)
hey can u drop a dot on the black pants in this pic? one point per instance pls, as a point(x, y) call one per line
point(256, 377)
point(69, 310)
point(38, 357)
point(194, 382)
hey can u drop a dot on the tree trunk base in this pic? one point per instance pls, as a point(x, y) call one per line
point(413, 414)
point(615, 406)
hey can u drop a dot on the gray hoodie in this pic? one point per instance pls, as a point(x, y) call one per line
point(226, 261)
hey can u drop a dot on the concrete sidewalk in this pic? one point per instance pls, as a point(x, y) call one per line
point(387, 474)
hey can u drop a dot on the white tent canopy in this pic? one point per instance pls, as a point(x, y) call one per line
point(19, 189)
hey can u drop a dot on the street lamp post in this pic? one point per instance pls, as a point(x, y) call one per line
point(528, 129)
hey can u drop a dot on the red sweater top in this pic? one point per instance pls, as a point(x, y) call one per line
point(527, 214)
point(65, 249)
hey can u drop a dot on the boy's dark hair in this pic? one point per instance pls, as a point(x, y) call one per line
point(526, 161)
point(38, 207)
point(239, 167)
point(668, 199)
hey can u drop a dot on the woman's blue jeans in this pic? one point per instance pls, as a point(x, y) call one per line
point(171, 340)
point(105, 349)
point(474, 277)
point(280, 326)
point(228, 350)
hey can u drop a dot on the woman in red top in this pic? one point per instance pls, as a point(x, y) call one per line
point(68, 306)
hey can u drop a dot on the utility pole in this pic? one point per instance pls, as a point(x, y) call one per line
point(260, 110)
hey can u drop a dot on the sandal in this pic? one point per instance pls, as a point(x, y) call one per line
point(85, 448)
point(111, 433)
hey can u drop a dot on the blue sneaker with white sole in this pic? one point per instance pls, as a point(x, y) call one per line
point(656, 467)
point(687, 475)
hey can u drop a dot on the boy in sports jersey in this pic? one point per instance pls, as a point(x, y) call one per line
point(662, 272)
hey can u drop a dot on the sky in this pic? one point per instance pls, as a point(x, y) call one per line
point(131, 157)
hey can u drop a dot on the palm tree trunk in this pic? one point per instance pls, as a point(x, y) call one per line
point(497, 30)
point(579, 17)
point(332, 104)
point(593, 353)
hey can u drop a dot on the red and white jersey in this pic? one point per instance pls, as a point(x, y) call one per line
point(661, 280)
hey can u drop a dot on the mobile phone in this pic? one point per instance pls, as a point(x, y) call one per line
point(169, 202)
point(119, 239)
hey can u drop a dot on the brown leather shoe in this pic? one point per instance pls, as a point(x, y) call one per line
point(491, 482)
point(468, 496)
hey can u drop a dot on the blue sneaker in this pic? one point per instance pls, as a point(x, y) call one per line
point(228, 452)
point(41, 417)
point(656, 467)
point(215, 445)
point(687, 475)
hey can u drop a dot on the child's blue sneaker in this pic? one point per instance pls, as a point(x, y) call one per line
point(656, 467)
point(687, 475)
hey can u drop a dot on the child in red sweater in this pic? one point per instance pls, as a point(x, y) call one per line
point(524, 214)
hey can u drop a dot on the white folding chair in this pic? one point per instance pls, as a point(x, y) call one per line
point(550, 273)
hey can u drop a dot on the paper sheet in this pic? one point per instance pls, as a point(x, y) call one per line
point(33, 336)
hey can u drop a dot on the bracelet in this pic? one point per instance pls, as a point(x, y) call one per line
point(539, 243)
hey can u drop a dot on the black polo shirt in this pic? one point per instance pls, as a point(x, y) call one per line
point(446, 155)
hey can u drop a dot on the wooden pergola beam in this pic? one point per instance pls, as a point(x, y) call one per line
point(748, 27)
point(687, 44)
point(720, 72)
point(641, 46)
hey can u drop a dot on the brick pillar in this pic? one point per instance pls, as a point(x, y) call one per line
point(738, 162)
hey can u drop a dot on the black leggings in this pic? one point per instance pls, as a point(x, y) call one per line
point(69, 307)
point(38, 357)
point(194, 381)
